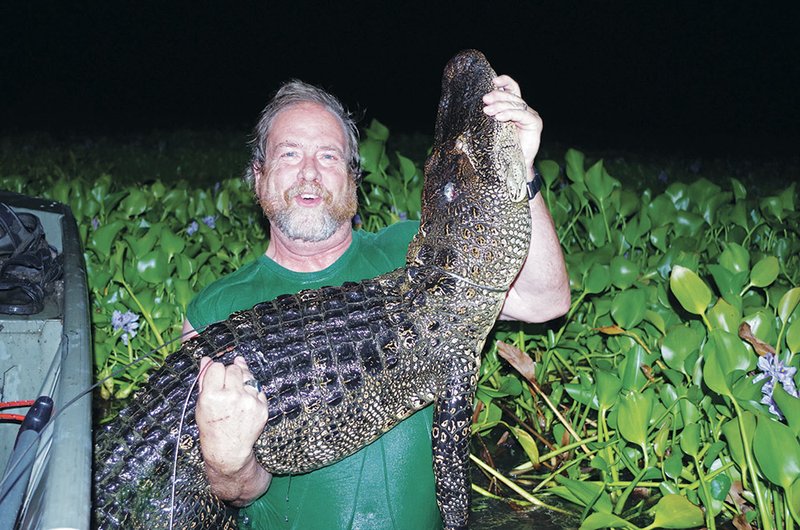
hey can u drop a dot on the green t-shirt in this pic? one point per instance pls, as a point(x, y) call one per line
point(386, 485)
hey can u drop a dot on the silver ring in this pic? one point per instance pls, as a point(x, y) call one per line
point(255, 383)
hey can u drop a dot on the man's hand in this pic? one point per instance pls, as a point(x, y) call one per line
point(230, 417)
point(541, 290)
point(505, 103)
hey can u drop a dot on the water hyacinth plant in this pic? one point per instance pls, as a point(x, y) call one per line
point(667, 396)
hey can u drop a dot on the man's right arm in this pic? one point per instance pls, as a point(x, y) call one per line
point(230, 417)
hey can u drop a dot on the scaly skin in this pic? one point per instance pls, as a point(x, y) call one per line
point(342, 365)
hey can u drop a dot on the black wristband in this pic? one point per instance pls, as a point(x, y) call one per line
point(535, 185)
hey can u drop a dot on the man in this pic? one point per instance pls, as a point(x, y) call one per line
point(304, 171)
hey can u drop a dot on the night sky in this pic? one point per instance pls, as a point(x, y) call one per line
point(693, 75)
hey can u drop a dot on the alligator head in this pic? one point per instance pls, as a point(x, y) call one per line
point(476, 222)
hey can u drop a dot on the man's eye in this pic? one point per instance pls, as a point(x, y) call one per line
point(329, 156)
point(289, 154)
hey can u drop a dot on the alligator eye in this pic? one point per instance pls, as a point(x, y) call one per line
point(449, 192)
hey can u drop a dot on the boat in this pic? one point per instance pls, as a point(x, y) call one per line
point(46, 357)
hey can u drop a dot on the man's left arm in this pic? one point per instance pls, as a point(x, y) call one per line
point(541, 290)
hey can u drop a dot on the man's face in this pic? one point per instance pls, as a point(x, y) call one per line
point(304, 187)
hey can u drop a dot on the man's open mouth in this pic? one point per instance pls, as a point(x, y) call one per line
point(308, 199)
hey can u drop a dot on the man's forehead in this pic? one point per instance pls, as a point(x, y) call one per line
point(307, 124)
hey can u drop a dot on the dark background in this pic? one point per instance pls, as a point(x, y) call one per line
point(693, 76)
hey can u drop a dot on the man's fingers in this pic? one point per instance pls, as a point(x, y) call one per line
point(507, 84)
point(216, 375)
point(202, 373)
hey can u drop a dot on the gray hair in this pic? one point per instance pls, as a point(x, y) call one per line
point(293, 93)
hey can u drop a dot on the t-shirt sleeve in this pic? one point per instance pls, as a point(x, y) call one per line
point(196, 311)
point(395, 238)
point(226, 294)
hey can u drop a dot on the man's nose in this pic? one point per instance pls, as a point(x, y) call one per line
point(309, 171)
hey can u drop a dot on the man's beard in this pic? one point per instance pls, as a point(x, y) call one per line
point(310, 224)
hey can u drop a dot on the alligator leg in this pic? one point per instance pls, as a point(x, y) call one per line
point(452, 419)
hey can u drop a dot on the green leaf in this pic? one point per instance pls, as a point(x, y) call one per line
point(607, 386)
point(725, 316)
point(634, 416)
point(575, 164)
point(604, 520)
point(186, 266)
point(688, 224)
point(630, 369)
point(720, 486)
point(765, 272)
point(678, 344)
point(793, 336)
point(777, 451)
point(582, 394)
point(488, 417)
point(739, 189)
point(596, 228)
point(103, 237)
point(691, 291)
point(597, 279)
point(725, 356)
point(135, 203)
point(170, 243)
point(183, 292)
point(587, 492)
point(510, 386)
point(599, 183)
point(734, 354)
point(658, 238)
point(675, 511)
point(628, 308)
point(373, 156)
point(712, 453)
point(690, 439)
point(407, 168)
point(660, 444)
point(623, 272)
point(789, 407)
point(735, 258)
point(223, 202)
point(733, 436)
point(729, 284)
point(657, 320)
point(152, 267)
point(772, 207)
point(527, 442)
point(673, 464)
point(549, 170)
point(787, 197)
point(788, 303)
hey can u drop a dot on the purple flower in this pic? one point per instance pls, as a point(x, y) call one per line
point(95, 223)
point(403, 216)
point(127, 322)
point(777, 372)
point(210, 221)
point(192, 228)
point(695, 167)
point(663, 177)
point(357, 221)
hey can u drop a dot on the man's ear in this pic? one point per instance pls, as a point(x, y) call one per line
point(257, 174)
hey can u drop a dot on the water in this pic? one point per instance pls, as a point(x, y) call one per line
point(491, 514)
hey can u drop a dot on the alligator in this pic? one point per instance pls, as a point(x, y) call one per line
point(342, 365)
